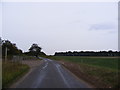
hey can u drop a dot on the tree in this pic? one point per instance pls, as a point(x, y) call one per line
point(0, 48)
point(9, 49)
point(0, 42)
point(35, 50)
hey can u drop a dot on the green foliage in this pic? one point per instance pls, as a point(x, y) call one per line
point(35, 50)
point(11, 49)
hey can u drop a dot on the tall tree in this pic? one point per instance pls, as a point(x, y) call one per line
point(0, 41)
point(0, 48)
point(35, 50)
point(10, 48)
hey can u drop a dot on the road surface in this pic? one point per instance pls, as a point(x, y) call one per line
point(51, 74)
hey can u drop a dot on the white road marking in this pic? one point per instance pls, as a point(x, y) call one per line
point(50, 60)
point(38, 81)
point(58, 68)
point(45, 65)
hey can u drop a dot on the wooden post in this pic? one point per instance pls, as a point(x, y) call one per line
point(6, 54)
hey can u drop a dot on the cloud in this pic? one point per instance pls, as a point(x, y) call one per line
point(102, 27)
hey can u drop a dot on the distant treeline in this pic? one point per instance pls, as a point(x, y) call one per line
point(88, 53)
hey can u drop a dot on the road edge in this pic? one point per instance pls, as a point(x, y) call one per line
point(17, 82)
point(80, 79)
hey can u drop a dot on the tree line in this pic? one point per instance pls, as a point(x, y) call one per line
point(10, 49)
point(88, 53)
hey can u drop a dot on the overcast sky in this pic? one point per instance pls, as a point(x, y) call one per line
point(61, 26)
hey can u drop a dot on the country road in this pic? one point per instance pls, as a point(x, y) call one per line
point(51, 74)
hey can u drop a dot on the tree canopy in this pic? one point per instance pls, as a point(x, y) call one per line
point(35, 50)
point(11, 48)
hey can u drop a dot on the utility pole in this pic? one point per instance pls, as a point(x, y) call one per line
point(6, 54)
point(6, 49)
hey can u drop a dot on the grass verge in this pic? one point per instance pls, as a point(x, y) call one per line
point(11, 72)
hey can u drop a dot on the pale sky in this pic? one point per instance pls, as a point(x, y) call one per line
point(62, 26)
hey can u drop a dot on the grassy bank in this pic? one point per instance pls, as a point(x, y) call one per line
point(11, 72)
point(99, 71)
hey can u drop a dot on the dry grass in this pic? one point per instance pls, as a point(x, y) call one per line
point(96, 76)
point(11, 72)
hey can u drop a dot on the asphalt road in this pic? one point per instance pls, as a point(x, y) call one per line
point(51, 74)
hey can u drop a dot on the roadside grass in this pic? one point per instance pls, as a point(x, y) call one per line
point(0, 73)
point(106, 78)
point(11, 71)
point(99, 71)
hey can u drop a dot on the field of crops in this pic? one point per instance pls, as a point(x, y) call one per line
point(106, 62)
point(104, 70)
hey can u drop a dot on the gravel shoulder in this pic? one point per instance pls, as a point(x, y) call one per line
point(32, 63)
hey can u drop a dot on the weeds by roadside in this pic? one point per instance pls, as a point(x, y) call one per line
point(11, 72)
